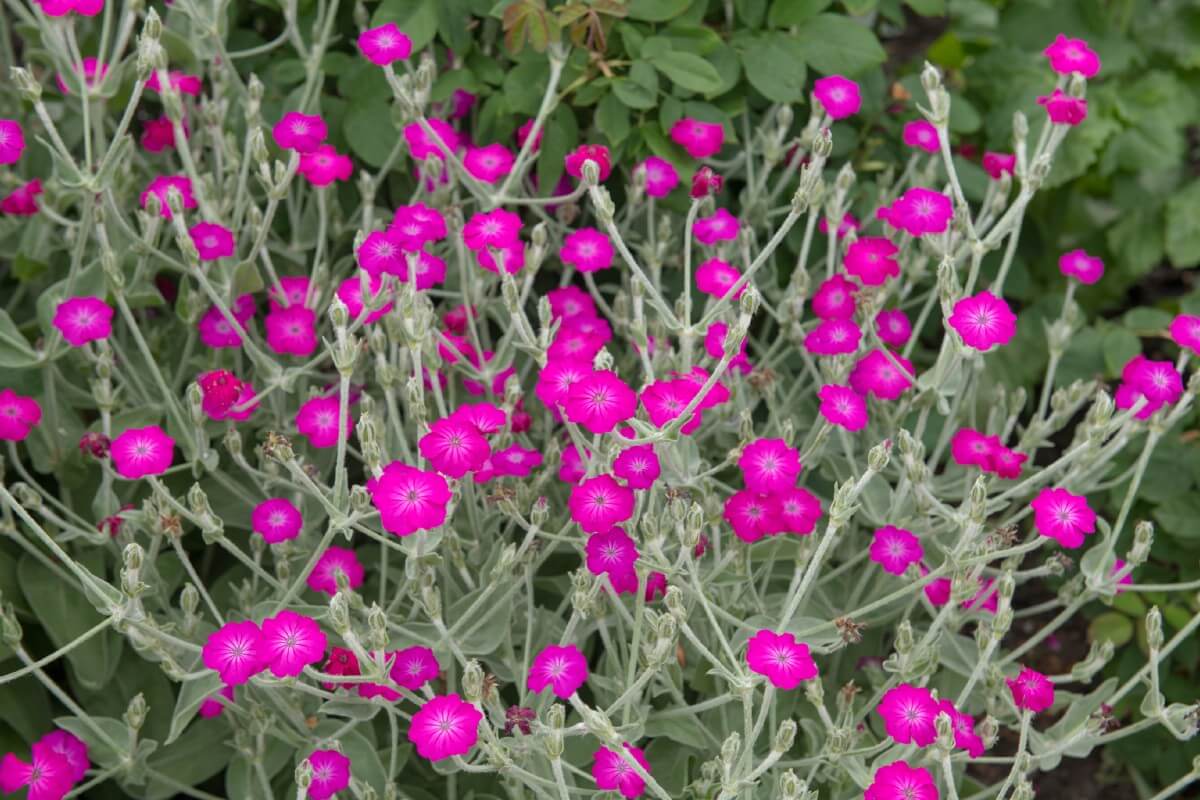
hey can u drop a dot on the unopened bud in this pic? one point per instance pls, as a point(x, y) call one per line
point(1154, 629)
point(135, 713)
point(785, 737)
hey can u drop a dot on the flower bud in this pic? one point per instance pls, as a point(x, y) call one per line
point(189, 600)
point(472, 682)
point(1154, 629)
point(730, 749)
point(904, 638)
point(135, 713)
point(10, 628)
point(785, 737)
point(1143, 538)
point(304, 776)
point(814, 692)
point(878, 456)
point(29, 89)
point(339, 613)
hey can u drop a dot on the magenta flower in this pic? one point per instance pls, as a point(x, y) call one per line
point(794, 510)
point(516, 461)
point(317, 421)
point(908, 714)
point(769, 465)
point(597, 153)
point(292, 330)
point(290, 642)
point(1007, 463)
point(60, 8)
point(714, 345)
point(523, 135)
point(214, 704)
point(833, 337)
point(22, 201)
point(849, 223)
point(919, 211)
point(1064, 109)
point(570, 301)
point(138, 452)
point(12, 141)
point(717, 278)
point(936, 591)
point(161, 186)
point(324, 165)
point(445, 726)
point(844, 407)
point(417, 225)
point(571, 468)
point(454, 447)
point(276, 520)
point(303, 133)
point(983, 321)
point(599, 503)
point(48, 775)
point(330, 774)
point(611, 552)
point(212, 241)
point(409, 499)
point(720, 226)
point(1159, 381)
point(335, 561)
point(1185, 331)
point(780, 658)
point(181, 82)
point(413, 667)
point(235, 652)
point(587, 249)
point(965, 736)
point(969, 447)
point(382, 252)
point(1031, 690)
point(600, 402)
point(159, 134)
point(421, 146)
point(871, 259)
point(71, 749)
point(18, 415)
point(660, 175)
point(563, 669)
point(834, 298)
point(895, 548)
point(93, 71)
point(699, 139)
point(490, 163)
point(893, 327)
point(996, 165)
point(1081, 266)
point(1063, 516)
point(705, 182)
point(838, 96)
point(384, 45)
point(292, 290)
point(217, 331)
point(1072, 55)
point(220, 392)
point(611, 772)
point(638, 466)
point(350, 292)
point(83, 319)
point(899, 781)
point(886, 377)
point(487, 418)
point(751, 515)
point(509, 258)
point(920, 134)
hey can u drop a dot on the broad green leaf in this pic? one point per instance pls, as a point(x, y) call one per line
point(1113, 626)
point(453, 17)
point(927, 8)
point(682, 729)
point(657, 10)
point(25, 706)
point(191, 694)
point(417, 18)
point(15, 351)
point(785, 13)
point(100, 747)
point(135, 675)
point(561, 136)
point(202, 752)
point(774, 65)
point(1183, 226)
point(836, 44)
point(688, 71)
point(612, 118)
point(635, 94)
point(369, 131)
point(1178, 517)
point(65, 615)
point(1119, 346)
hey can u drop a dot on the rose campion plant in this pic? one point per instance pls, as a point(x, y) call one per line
point(435, 474)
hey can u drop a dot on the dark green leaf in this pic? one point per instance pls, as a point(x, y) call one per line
point(417, 18)
point(1113, 626)
point(774, 65)
point(836, 44)
point(688, 71)
point(1119, 346)
point(1183, 226)
point(368, 129)
point(15, 351)
point(657, 10)
point(927, 8)
point(785, 13)
point(191, 695)
point(612, 118)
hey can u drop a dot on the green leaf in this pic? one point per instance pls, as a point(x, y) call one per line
point(247, 279)
point(453, 17)
point(688, 71)
point(612, 119)
point(198, 755)
point(417, 18)
point(99, 751)
point(65, 615)
point(927, 8)
point(1183, 226)
point(561, 135)
point(1120, 345)
point(774, 65)
point(369, 132)
point(25, 707)
point(26, 268)
point(15, 352)
point(635, 93)
point(681, 729)
point(1113, 626)
point(191, 695)
point(1138, 241)
point(785, 13)
point(657, 10)
point(1178, 517)
point(837, 44)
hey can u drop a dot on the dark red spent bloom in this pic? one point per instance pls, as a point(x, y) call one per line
point(94, 444)
point(341, 662)
point(112, 525)
point(221, 390)
point(706, 182)
point(519, 717)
